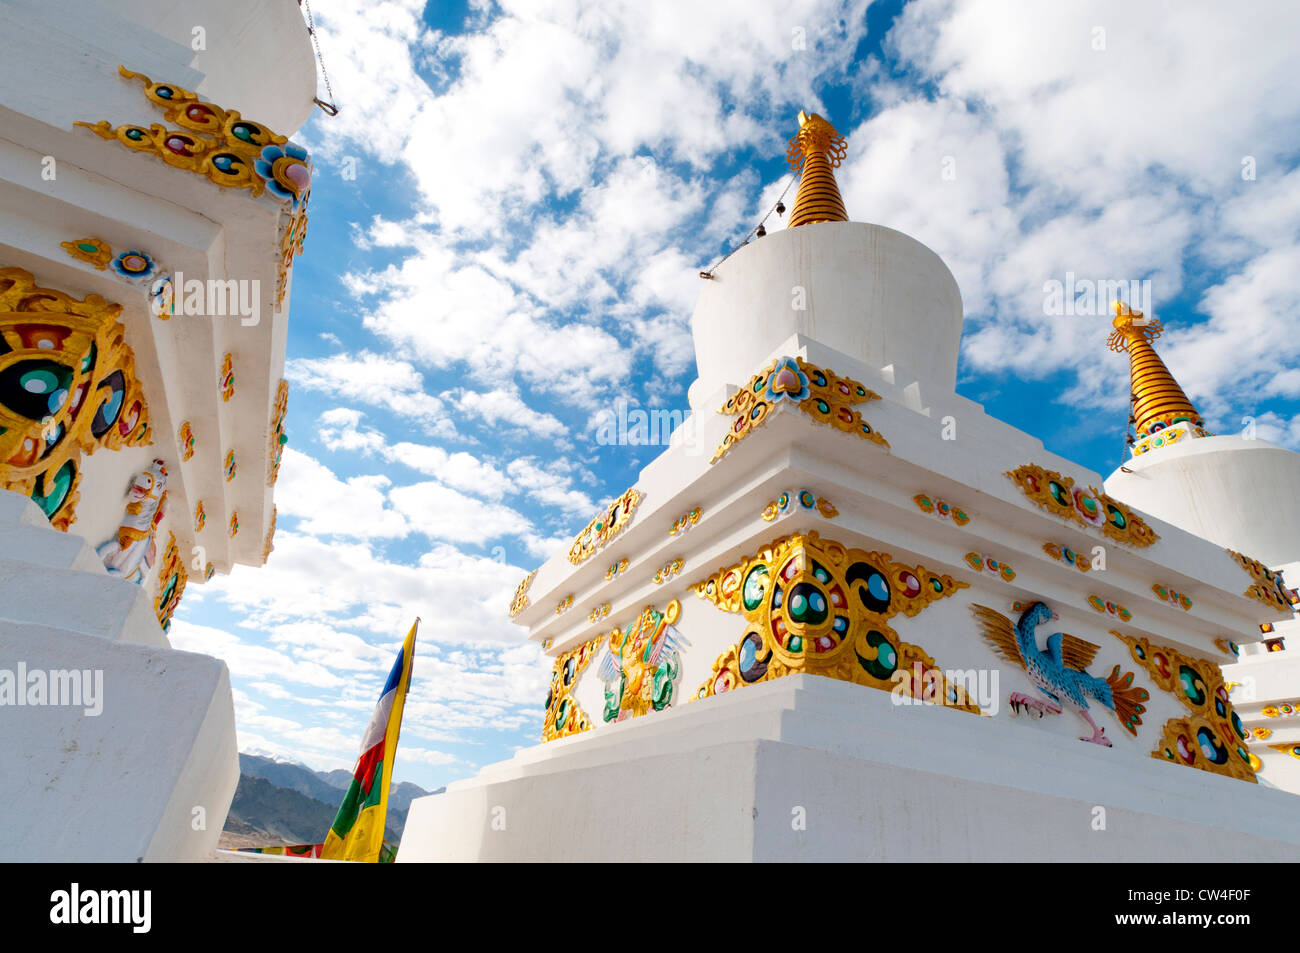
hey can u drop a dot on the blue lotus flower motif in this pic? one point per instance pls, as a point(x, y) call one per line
point(286, 171)
point(786, 382)
point(134, 265)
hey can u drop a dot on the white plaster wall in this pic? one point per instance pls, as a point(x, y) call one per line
point(257, 56)
point(1241, 494)
point(120, 786)
point(873, 293)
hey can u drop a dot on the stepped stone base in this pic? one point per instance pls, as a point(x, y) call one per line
point(144, 765)
point(806, 768)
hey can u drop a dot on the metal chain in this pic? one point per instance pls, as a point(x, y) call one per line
point(329, 108)
point(709, 272)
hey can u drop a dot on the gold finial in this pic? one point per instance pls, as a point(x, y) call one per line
point(1131, 325)
point(814, 151)
point(1158, 401)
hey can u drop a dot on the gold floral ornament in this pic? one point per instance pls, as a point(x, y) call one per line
point(616, 568)
point(1112, 608)
point(929, 504)
point(67, 387)
point(641, 665)
point(684, 522)
point(187, 441)
point(598, 613)
point(795, 384)
point(172, 578)
point(94, 251)
point(1268, 587)
point(200, 517)
point(667, 571)
point(213, 142)
point(278, 436)
point(226, 380)
point(1065, 554)
point(813, 605)
point(564, 604)
point(1213, 737)
point(234, 524)
point(793, 501)
point(564, 716)
point(985, 563)
point(520, 601)
point(1170, 596)
point(1087, 507)
point(268, 545)
point(813, 152)
point(612, 521)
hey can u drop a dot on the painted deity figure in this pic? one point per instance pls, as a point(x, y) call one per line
point(132, 551)
point(641, 665)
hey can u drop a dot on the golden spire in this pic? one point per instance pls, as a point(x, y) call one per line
point(815, 151)
point(1158, 401)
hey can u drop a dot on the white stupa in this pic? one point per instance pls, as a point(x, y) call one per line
point(151, 206)
point(820, 625)
point(1237, 491)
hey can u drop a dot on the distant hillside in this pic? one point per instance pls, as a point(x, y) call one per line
point(286, 815)
point(278, 801)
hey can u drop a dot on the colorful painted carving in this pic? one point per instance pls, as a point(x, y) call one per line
point(813, 605)
point(172, 578)
point(1263, 733)
point(67, 387)
point(162, 297)
point(234, 524)
point(94, 251)
point(268, 544)
point(1213, 737)
point(616, 568)
point(1268, 587)
point(1292, 749)
point(227, 379)
point(598, 613)
point(684, 522)
point(641, 665)
point(278, 436)
point(216, 143)
point(1168, 595)
point(1090, 507)
point(1104, 605)
point(564, 716)
point(208, 572)
point(131, 551)
point(930, 504)
point(1227, 646)
point(1061, 673)
point(793, 383)
point(292, 238)
point(1067, 555)
point(200, 517)
point(612, 521)
point(984, 563)
point(135, 266)
point(230, 468)
point(667, 571)
point(807, 500)
point(1284, 710)
point(187, 441)
point(520, 601)
point(564, 604)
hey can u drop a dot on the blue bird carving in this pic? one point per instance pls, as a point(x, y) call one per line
point(1060, 672)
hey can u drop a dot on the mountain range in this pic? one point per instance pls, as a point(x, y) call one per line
point(280, 802)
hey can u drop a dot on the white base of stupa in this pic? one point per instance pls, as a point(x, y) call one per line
point(144, 766)
point(808, 768)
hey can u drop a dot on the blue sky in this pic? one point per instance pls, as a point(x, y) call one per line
point(507, 220)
